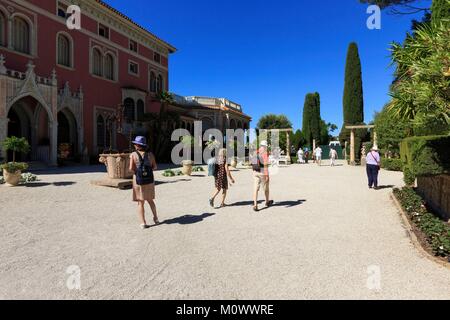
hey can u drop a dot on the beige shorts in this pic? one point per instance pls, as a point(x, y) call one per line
point(260, 181)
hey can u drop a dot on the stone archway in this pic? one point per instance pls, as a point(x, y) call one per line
point(27, 118)
point(68, 132)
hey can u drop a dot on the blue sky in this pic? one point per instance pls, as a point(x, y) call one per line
point(267, 55)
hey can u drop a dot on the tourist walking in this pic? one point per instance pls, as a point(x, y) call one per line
point(221, 174)
point(333, 156)
point(318, 154)
point(373, 167)
point(307, 155)
point(261, 175)
point(143, 163)
point(300, 155)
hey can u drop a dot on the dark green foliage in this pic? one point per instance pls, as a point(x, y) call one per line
point(297, 140)
point(392, 164)
point(307, 113)
point(436, 231)
point(316, 119)
point(313, 125)
point(273, 121)
point(440, 10)
point(353, 90)
point(421, 156)
point(353, 102)
point(391, 131)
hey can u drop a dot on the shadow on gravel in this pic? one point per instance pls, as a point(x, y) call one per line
point(386, 187)
point(46, 184)
point(188, 219)
point(157, 183)
point(287, 204)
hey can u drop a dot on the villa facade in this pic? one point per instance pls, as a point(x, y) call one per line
point(61, 87)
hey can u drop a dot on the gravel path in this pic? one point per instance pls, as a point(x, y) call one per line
point(324, 239)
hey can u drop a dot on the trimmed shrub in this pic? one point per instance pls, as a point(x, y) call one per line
point(436, 231)
point(392, 164)
point(428, 155)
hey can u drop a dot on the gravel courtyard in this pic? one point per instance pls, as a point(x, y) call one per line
point(323, 239)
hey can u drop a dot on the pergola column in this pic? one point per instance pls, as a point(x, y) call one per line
point(352, 147)
point(288, 147)
point(375, 140)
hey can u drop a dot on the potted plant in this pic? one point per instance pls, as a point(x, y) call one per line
point(12, 171)
point(188, 142)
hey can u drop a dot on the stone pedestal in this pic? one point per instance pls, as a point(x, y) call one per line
point(117, 165)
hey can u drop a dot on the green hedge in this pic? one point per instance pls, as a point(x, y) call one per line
point(392, 164)
point(428, 155)
point(436, 232)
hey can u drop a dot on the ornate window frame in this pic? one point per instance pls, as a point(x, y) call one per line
point(71, 50)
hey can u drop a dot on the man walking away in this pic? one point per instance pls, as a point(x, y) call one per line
point(318, 154)
point(261, 175)
point(333, 156)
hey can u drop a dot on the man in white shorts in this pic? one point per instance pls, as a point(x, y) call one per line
point(318, 153)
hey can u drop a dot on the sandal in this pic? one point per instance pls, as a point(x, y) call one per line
point(144, 226)
point(156, 221)
point(255, 208)
point(223, 205)
point(270, 203)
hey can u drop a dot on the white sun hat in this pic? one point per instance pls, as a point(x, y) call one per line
point(264, 143)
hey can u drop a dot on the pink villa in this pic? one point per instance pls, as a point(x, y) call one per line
point(63, 87)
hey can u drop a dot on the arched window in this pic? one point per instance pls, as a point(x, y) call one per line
point(109, 67)
point(129, 110)
point(159, 84)
point(64, 51)
point(101, 132)
point(152, 82)
point(2, 29)
point(97, 63)
point(21, 35)
point(140, 110)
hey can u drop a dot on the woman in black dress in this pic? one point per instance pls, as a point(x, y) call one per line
point(221, 178)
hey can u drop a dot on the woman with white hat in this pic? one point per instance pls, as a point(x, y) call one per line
point(143, 163)
point(373, 161)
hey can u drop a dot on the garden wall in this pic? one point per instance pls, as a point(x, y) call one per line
point(436, 192)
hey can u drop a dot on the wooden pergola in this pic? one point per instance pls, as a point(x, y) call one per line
point(352, 139)
point(288, 141)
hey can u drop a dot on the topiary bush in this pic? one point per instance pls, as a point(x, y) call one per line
point(392, 164)
point(428, 155)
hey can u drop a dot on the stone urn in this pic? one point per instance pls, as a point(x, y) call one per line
point(187, 167)
point(234, 162)
point(12, 179)
point(117, 165)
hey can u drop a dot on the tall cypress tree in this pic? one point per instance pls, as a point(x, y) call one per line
point(306, 127)
point(311, 118)
point(353, 101)
point(315, 118)
point(353, 90)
